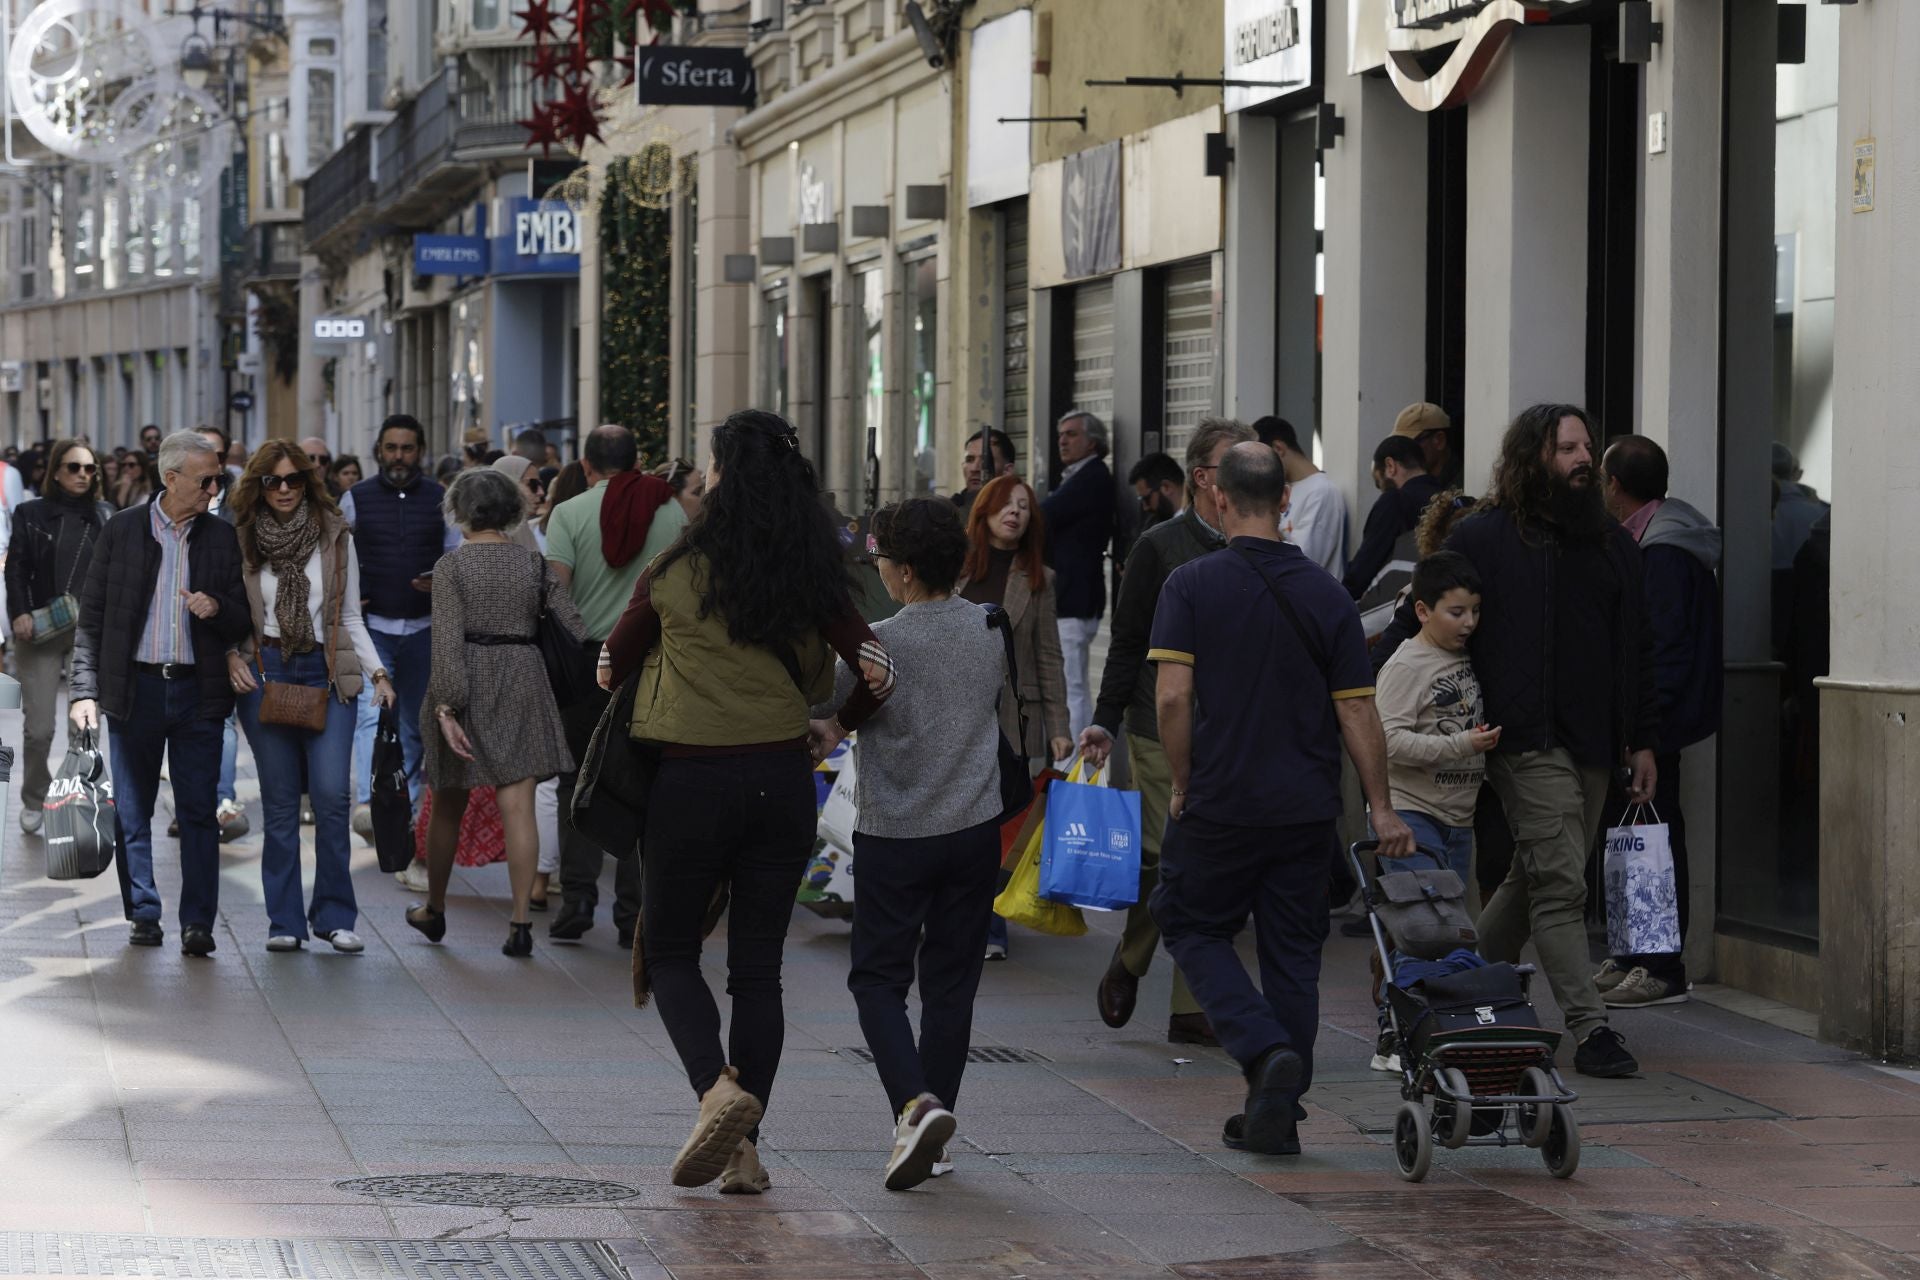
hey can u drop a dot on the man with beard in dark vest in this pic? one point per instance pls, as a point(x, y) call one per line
point(399, 535)
point(1564, 654)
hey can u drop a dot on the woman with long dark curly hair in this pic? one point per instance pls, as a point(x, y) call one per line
point(733, 633)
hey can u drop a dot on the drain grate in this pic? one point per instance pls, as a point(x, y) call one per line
point(487, 1190)
point(988, 1054)
point(199, 1258)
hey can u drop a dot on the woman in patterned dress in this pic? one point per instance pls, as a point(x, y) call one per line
point(489, 719)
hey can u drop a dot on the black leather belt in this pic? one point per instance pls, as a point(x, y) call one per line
point(167, 670)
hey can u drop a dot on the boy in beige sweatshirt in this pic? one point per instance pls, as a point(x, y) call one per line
point(1429, 702)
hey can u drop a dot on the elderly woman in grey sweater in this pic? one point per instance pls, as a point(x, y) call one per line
point(927, 841)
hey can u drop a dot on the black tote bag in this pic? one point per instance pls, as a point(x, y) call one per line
point(390, 802)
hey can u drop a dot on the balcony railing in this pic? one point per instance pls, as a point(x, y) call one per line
point(339, 187)
point(496, 94)
point(417, 140)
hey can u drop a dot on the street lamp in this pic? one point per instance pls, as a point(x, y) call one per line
point(196, 60)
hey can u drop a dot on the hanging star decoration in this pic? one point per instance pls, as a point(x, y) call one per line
point(537, 21)
point(546, 62)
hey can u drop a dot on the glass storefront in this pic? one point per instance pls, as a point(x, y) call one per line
point(923, 339)
point(868, 379)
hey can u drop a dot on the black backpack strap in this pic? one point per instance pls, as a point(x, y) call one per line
point(1292, 614)
point(998, 620)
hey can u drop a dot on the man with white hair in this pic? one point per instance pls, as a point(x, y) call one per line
point(162, 605)
point(1079, 516)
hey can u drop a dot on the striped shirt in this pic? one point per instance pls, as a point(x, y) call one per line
point(167, 635)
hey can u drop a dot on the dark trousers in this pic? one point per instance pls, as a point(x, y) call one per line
point(746, 821)
point(1212, 876)
point(1666, 803)
point(165, 723)
point(929, 898)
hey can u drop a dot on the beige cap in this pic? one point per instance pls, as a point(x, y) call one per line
point(1417, 419)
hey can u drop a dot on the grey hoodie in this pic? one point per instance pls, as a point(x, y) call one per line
point(1677, 524)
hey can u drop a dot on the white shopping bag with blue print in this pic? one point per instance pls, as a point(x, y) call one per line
point(1643, 913)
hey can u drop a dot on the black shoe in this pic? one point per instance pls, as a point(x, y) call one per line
point(571, 924)
point(519, 940)
point(1117, 993)
point(145, 933)
point(1604, 1054)
point(428, 921)
point(1191, 1028)
point(625, 937)
point(1271, 1085)
point(1234, 1137)
point(196, 940)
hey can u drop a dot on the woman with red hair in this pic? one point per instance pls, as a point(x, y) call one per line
point(1005, 533)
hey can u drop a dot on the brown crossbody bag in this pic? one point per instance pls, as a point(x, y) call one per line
point(301, 706)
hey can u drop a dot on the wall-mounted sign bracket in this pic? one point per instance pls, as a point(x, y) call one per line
point(1080, 119)
point(1180, 82)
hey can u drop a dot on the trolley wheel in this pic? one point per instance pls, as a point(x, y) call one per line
point(1536, 1119)
point(1455, 1119)
point(1412, 1142)
point(1562, 1151)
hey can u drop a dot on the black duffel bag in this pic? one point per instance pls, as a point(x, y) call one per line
point(389, 800)
point(82, 830)
point(1490, 1001)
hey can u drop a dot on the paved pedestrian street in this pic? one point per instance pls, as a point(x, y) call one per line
point(222, 1117)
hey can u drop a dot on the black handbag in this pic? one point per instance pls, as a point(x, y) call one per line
point(1016, 775)
point(616, 775)
point(388, 800)
point(569, 666)
point(82, 831)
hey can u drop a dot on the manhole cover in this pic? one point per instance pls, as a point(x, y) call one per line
point(487, 1190)
point(979, 1053)
point(24, 1253)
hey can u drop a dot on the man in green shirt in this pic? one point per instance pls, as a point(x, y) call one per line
point(598, 544)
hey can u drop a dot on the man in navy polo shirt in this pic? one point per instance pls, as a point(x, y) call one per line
point(1263, 672)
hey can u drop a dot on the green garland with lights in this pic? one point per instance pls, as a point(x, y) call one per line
point(636, 284)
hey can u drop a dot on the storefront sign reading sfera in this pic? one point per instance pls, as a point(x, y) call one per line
point(1404, 35)
point(540, 237)
point(1269, 40)
point(683, 76)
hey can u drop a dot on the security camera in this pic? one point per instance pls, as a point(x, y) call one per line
point(923, 31)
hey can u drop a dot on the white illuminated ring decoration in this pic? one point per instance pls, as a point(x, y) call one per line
point(83, 75)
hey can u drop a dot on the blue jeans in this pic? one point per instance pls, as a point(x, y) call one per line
point(366, 721)
point(164, 721)
point(409, 661)
point(1454, 845)
point(280, 753)
point(229, 760)
point(1212, 876)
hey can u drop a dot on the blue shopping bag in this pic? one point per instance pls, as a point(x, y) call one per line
point(1091, 857)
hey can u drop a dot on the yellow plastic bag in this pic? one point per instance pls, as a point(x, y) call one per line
point(1021, 902)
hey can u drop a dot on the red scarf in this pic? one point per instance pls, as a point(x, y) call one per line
point(627, 513)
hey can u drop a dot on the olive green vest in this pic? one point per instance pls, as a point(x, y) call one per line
point(698, 688)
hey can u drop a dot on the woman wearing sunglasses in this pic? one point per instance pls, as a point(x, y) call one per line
point(53, 541)
point(303, 583)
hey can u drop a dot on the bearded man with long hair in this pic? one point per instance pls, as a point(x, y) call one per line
point(1565, 661)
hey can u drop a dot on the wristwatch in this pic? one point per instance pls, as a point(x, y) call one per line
point(379, 674)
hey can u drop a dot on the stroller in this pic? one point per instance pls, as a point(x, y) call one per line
point(1476, 1067)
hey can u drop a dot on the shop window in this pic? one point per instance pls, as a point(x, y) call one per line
point(774, 370)
point(322, 110)
point(868, 382)
point(923, 392)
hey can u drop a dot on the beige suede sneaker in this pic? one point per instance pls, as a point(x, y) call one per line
point(727, 1114)
point(922, 1134)
point(744, 1174)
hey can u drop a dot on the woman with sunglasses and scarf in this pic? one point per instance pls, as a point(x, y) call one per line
point(303, 583)
point(53, 541)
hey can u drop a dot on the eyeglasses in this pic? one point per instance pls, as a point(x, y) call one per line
point(273, 484)
point(873, 549)
point(207, 483)
point(81, 468)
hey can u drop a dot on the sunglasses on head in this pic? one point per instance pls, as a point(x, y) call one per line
point(273, 484)
point(81, 468)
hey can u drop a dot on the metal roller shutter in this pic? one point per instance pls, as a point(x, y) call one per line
point(1013, 313)
point(1188, 359)
point(1093, 348)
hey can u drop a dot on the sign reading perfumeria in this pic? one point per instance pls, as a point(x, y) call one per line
point(1270, 40)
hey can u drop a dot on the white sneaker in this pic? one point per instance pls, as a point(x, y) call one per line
point(925, 1126)
point(344, 940)
point(1388, 1062)
point(362, 822)
point(414, 878)
point(942, 1166)
point(996, 951)
point(283, 942)
point(31, 821)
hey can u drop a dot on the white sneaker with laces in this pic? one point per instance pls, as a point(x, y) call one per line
point(996, 951)
point(925, 1126)
point(942, 1165)
point(283, 942)
point(344, 940)
point(31, 821)
point(1640, 989)
point(414, 878)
